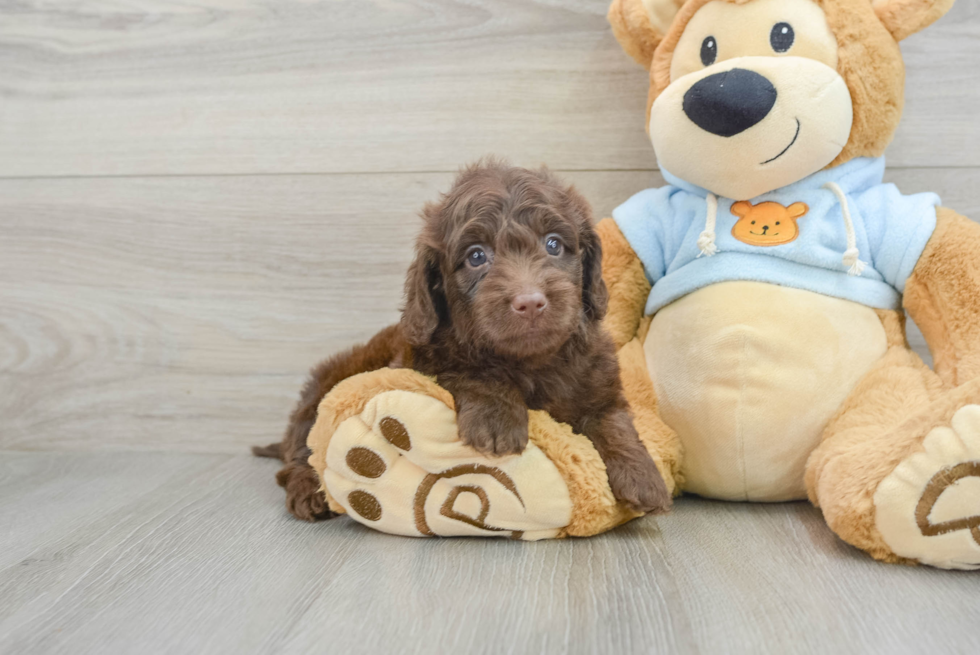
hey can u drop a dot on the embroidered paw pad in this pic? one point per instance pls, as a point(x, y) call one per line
point(928, 509)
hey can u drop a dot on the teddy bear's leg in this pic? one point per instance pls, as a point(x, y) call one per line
point(386, 447)
point(660, 440)
point(898, 471)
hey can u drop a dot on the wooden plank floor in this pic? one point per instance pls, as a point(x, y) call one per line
point(171, 552)
point(199, 199)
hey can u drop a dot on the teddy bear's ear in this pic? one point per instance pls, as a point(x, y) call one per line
point(640, 25)
point(904, 18)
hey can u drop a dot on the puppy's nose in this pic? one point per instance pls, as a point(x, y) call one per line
point(731, 102)
point(529, 305)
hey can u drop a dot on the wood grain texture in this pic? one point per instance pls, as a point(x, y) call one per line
point(183, 313)
point(203, 198)
point(782, 582)
point(148, 87)
point(200, 557)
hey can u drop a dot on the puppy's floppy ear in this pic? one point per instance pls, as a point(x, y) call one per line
point(640, 25)
point(425, 300)
point(595, 295)
point(903, 18)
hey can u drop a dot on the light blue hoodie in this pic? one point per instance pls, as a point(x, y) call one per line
point(890, 231)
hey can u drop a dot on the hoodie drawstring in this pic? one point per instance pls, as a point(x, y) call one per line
point(706, 242)
point(852, 254)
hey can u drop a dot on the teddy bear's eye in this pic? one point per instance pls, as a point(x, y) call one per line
point(753, 222)
point(782, 37)
point(778, 223)
point(709, 51)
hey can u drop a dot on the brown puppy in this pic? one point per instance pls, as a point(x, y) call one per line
point(504, 303)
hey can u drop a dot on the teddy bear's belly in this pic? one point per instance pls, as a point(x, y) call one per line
point(749, 374)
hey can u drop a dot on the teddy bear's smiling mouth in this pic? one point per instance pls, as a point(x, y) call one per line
point(795, 137)
point(764, 234)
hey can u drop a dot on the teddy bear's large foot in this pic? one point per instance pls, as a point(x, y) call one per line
point(385, 445)
point(928, 508)
point(400, 467)
point(898, 471)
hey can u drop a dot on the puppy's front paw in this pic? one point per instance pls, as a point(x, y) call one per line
point(304, 499)
point(493, 431)
point(638, 484)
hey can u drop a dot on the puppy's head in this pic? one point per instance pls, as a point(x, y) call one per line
point(507, 261)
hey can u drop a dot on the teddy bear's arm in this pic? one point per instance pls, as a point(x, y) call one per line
point(623, 274)
point(943, 297)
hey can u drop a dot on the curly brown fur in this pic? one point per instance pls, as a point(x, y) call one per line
point(503, 306)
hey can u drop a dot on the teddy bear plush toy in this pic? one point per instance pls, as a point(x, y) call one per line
point(758, 302)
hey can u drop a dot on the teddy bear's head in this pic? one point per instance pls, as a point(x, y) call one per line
point(747, 96)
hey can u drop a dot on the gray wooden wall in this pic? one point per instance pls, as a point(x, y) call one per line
point(200, 199)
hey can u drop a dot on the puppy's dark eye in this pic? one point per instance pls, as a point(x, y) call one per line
point(709, 51)
point(782, 37)
point(553, 246)
point(476, 257)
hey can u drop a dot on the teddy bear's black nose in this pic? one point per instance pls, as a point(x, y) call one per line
point(731, 102)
